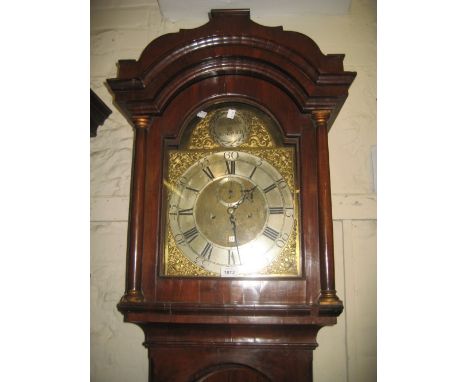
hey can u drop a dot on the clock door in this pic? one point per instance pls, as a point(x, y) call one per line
point(233, 206)
point(234, 374)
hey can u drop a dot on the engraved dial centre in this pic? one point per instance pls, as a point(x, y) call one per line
point(230, 199)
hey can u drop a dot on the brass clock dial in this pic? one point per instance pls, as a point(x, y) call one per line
point(233, 213)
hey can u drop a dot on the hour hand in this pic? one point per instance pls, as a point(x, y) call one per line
point(232, 219)
point(249, 193)
point(246, 194)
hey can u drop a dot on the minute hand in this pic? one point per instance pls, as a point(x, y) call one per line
point(232, 219)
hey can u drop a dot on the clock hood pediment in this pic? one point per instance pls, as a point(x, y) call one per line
point(231, 44)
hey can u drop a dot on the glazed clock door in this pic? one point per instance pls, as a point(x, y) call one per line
point(232, 210)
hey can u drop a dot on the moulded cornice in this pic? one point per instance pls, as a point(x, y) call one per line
point(231, 44)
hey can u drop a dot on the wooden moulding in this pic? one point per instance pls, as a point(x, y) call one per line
point(98, 113)
point(231, 43)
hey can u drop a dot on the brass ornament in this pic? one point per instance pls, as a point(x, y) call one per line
point(179, 162)
point(288, 262)
point(321, 116)
point(176, 264)
point(329, 297)
point(281, 157)
point(256, 132)
point(141, 122)
point(201, 137)
point(259, 136)
point(133, 296)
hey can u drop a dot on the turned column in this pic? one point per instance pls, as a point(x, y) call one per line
point(133, 292)
point(328, 298)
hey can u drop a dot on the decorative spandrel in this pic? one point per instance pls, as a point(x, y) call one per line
point(232, 203)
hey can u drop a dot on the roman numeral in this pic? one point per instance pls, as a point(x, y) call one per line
point(192, 189)
point(188, 211)
point(179, 238)
point(269, 188)
point(191, 234)
point(289, 212)
point(253, 172)
point(231, 167)
point(206, 253)
point(208, 172)
point(270, 233)
point(232, 258)
point(276, 210)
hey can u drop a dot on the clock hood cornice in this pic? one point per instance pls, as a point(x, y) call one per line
point(231, 44)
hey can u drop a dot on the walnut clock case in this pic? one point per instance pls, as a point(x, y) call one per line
point(230, 269)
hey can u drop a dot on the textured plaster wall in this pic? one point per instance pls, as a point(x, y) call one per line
point(347, 352)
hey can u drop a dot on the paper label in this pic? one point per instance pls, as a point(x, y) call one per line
point(228, 272)
point(231, 113)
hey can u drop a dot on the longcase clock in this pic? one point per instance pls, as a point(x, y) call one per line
point(230, 269)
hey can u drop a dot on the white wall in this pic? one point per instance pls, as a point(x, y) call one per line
point(347, 352)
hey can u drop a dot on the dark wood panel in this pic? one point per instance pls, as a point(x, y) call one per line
point(178, 364)
point(275, 353)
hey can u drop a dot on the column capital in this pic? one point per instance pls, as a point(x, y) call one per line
point(321, 116)
point(141, 121)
